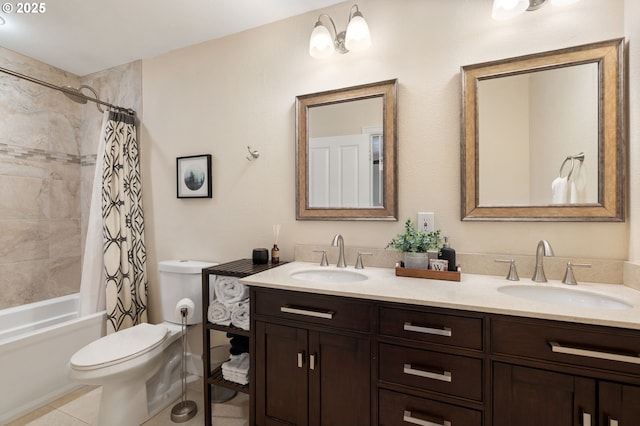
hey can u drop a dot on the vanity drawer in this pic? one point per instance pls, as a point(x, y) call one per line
point(398, 409)
point(331, 311)
point(605, 348)
point(432, 327)
point(434, 371)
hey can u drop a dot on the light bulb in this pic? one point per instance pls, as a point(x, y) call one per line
point(320, 43)
point(358, 37)
point(506, 9)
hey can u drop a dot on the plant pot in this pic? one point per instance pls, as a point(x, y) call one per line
point(416, 260)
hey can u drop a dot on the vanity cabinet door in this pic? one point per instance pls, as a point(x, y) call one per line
point(619, 404)
point(311, 378)
point(339, 380)
point(525, 396)
point(281, 375)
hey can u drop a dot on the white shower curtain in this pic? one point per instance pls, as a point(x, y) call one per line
point(92, 290)
point(115, 260)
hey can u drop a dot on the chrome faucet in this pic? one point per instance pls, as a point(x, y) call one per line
point(338, 241)
point(543, 249)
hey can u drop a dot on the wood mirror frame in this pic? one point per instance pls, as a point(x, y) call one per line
point(609, 56)
point(387, 90)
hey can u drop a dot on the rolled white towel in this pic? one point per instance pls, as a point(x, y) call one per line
point(240, 315)
point(219, 313)
point(228, 290)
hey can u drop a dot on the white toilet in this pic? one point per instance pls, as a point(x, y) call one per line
point(139, 367)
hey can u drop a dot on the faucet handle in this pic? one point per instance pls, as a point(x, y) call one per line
point(512, 275)
point(569, 278)
point(324, 261)
point(359, 264)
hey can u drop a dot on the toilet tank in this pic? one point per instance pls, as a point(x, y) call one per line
point(181, 279)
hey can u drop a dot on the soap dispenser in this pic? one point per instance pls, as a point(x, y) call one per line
point(449, 254)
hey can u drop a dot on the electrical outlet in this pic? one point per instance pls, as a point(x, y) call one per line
point(427, 221)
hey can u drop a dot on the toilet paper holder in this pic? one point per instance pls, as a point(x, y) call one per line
point(185, 409)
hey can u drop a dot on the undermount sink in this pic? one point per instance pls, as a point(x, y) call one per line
point(564, 296)
point(328, 275)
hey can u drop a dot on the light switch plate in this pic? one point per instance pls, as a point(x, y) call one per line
point(426, 221)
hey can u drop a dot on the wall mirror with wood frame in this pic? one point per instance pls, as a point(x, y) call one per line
point(346, 153)
point(543, 136)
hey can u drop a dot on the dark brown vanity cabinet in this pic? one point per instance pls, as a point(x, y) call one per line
point(328, 360)
point(315, 359)
point(553, 373)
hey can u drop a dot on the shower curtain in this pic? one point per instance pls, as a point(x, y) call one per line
point(114, 274)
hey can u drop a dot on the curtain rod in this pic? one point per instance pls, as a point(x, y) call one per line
point(65, 90)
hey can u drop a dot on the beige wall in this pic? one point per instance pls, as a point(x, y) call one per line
point(220, 96)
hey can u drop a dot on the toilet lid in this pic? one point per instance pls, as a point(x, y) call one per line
point(119, 347)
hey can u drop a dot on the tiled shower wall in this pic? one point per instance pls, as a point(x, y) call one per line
point(47, 154)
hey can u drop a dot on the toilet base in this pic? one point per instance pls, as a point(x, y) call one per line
point(123, 404)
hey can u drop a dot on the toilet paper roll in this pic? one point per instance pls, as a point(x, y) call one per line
point(187, 304)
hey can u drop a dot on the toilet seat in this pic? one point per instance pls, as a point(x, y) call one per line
point(119, 347)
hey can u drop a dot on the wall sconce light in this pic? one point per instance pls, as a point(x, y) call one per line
point(355, 38)
point(507, 9)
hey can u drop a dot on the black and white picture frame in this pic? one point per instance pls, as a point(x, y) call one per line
point(194, 176)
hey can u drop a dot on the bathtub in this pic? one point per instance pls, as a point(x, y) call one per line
point(36, 343)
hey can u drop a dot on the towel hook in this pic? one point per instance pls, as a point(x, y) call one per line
point(253, 153)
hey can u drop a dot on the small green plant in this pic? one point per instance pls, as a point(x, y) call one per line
point(416, 241)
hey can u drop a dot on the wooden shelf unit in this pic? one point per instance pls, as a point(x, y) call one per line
point(238, 268)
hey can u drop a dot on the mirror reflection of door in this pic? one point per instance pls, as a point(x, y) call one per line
point(345, 161)
point(339, 171)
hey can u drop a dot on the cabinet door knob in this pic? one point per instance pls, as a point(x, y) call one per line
point(300, 359)
point(613, 422)
point(312, 362)
point(444, 331)
point(586, 419)
point(409, 418)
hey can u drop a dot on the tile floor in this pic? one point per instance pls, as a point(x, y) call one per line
point(80, 408)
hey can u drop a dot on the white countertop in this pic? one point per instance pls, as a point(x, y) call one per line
point(477, 293)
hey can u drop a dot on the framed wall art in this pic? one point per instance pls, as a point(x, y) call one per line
point(193, 175)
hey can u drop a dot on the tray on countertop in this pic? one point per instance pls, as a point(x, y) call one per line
point(401, 271)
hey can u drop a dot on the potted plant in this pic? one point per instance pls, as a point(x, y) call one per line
point(415, 244)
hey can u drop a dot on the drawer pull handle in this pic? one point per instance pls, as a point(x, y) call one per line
point(443, 377)
point(558, 348)
point(307, 312)
point(408, 418)
point(613, 422)
point(586, 419)
point(444, 331)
